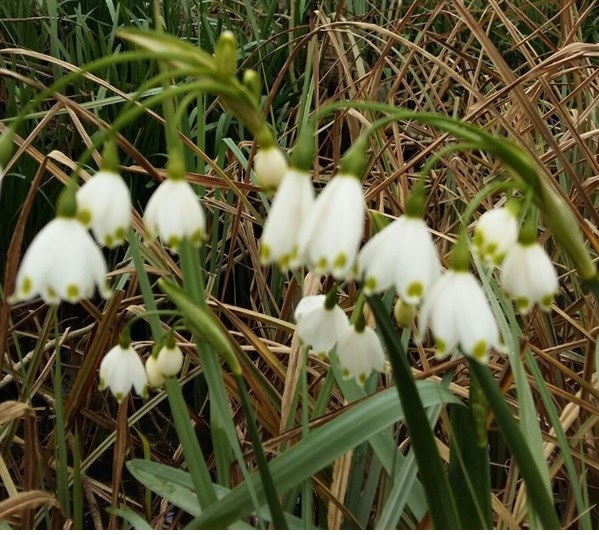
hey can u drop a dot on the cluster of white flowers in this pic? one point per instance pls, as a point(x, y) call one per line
point(122, 368)
point(325, 234)
point(63, 263)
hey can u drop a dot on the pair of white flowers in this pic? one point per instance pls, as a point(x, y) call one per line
point(122, 369)
point(64, 264)
point(322, 233)
point(527, 273)
point(324, 328)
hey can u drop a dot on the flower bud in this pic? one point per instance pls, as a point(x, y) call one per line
point(270, 165)
point(404, 313)
point(225, 54)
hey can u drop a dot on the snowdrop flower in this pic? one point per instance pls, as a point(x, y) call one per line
point(318, 326)
point(528, 276)
point(458, 313)
point(104, 203)
point(331, 235)
point(495, 233)
point(153, 375)
point(270, 166)
point(120, 369)
point(170, 359)
point(174, 213)
point(62, 263)
point(360, 352)
point(288, 213)
point(403, 254)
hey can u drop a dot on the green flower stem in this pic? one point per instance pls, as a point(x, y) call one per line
point(194, 286)
point(536, 489)
point(440, 499)
point(200, 476)
point(191, 448)
point(144, 285)
point(270, 491)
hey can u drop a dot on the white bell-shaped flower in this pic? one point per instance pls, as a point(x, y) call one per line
point(170, 359)
point(270, 166)
point(458, 312)
point(120, 370)
point(330, 237)
point(318, 326)
point(360, 352)
point(62, 263)
point(174, 213)
point(529, 276)
point(104, 204)
point(403, 254)
point(154, 376)
point(288, 213)
point(495, 233)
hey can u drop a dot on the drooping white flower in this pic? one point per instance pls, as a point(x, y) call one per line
point(403, 253)
point(62, 263)
point(318, 326)
point(288, 212)
point(169, 360)
point(104, 203)
point(529, 276)
point(459, 313)
point(270, 165)
point(495, 233)
point(120, 369)
point(154, 377)
point(360, 352)
point(174, 212)
point(331, 236)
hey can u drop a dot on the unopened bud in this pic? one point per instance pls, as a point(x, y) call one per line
point(225, 54)
point(404, 314)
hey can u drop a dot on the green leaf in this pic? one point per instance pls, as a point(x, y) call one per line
point(469, 473)
point(136, 521)
point(319, 449)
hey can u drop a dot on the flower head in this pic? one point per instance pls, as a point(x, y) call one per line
point(360, 352)
point(270, 165)
point(154, 376)
point(318, 326)
point(403, 254)
point(287, 215)
point(62, 263)
point(120, 369)
point(170, 359)
point(174, 213)
point(495, 233)
point(104, 203)
point(331, 235)
point(458, 313)
point(528, 276)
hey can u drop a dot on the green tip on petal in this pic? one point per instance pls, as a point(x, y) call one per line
point(440, 346)
point(369, 285)
point(119, 397)
point(322, 264)
point(73, 292)
point(85, 217)
point(174, 242)
point(546, 302)
point(361, 379)
point(523, 304)
point(480, 350)
point(26, 286)
point(416, 289)
point(340, 261)
point(197, 238)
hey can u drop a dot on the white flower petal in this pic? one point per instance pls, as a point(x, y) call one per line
point(169, 361)
point(495, 233)
point(270, 165)
point(529, 276)
point(62, 263)
point(319, 327)
point(173, 213)
point(360, 353)
point(459, 313)
point(120, 370)
point(104, 202)
point(332, 234)
point(288, 212)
